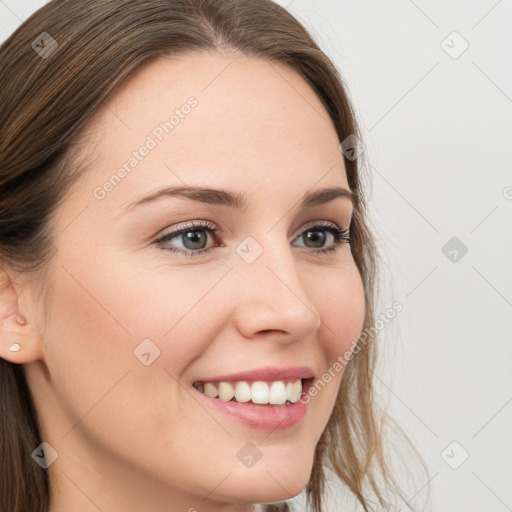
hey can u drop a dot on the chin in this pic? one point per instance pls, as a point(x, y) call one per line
point(271, 482)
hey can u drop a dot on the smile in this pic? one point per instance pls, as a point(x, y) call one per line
point(278, 392)
point(257, 411)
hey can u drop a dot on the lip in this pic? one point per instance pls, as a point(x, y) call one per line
point(263, 417)
point(268, 373)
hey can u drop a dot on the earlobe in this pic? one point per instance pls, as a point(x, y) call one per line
point(18, 339)
point(16, 347)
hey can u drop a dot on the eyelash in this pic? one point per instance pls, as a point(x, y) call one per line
point(340, 237)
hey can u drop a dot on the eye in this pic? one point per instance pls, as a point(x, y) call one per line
point(316, 236)
point(196, 238)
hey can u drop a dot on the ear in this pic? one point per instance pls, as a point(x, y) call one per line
point(18, 329)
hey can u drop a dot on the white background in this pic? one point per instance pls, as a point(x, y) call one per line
point(438, 136)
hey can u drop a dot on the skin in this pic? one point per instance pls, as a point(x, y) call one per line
point(132, 437)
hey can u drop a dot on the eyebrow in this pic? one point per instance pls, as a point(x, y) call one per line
point(238, 200)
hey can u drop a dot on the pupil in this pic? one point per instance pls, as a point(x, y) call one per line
point(313, 235)
point(194, 237)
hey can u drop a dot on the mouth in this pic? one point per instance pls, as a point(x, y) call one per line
point(276, 393)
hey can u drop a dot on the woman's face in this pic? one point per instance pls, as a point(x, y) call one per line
point(134, 321)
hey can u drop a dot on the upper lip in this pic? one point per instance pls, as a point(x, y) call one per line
point(269, 373)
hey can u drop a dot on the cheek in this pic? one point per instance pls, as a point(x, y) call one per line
point(101, 388)
point(88, 342)
point(341, 304)
point(342, 308)
point(108, 319)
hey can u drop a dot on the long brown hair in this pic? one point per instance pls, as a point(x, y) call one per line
point(50, 91)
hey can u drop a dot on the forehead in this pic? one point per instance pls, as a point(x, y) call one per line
point(214, 119)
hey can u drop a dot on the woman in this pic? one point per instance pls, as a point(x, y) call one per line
point(186, 265)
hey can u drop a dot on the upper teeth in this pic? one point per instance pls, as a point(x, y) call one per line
point(260, 392)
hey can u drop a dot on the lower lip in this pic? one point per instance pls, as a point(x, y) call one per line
point(264, 417)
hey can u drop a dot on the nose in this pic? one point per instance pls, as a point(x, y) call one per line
point(272, 300)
